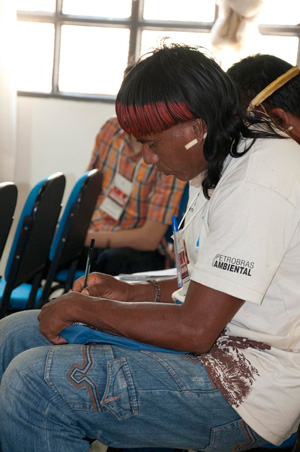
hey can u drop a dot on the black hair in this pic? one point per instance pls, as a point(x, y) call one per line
point(177, 83)
point(128, 69)
point(254, 73)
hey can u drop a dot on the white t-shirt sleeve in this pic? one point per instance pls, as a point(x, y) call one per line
point(249, 227)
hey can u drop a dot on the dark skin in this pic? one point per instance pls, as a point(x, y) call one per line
point(128, 309)
point(193, 326)
point(290, 123)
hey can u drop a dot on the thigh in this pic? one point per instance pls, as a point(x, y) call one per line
point(179, 407)
point(34, 417)
point(124, 398)
point(128, 398)
point(19, 332)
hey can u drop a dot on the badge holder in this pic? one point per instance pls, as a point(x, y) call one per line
point(183, 276)
point(117, 197)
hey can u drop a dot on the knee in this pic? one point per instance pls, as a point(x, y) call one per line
point(21, 381)
point(16, 374)
point(18, 332)
point(11, 390)
point(15, 324)
point(23, 401)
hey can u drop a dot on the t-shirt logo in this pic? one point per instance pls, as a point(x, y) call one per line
point(233, 264)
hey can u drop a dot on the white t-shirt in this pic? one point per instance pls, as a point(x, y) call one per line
point(245, 241)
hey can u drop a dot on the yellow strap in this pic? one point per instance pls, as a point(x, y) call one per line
point(273, 86)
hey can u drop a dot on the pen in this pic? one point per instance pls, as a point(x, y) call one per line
point(144, 276)
point(176, 247)
point(88, 262)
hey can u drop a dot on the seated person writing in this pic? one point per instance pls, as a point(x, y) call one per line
point(135, 207)
point(218, 371)
point(281, 100)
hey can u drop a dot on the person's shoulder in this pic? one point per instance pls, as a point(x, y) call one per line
point(275, 164)
point(277, 151)
point(270, 163)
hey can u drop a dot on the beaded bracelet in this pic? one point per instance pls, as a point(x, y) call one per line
point(157, 289)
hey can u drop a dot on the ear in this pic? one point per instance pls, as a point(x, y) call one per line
point(199, 127)
point(281, 117)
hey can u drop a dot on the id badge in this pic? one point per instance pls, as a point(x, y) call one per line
point(117, 197)
point(183, 276)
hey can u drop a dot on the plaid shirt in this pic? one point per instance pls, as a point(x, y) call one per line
point(154, 196)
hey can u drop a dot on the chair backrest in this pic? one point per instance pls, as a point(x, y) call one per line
point(35, 230)
point(69, 239)
point(8, 200)
point(73, 226)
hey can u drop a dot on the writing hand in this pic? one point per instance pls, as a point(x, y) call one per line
point(105, 286)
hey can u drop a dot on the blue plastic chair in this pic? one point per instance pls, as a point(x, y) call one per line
point(290, 445)
point(31, 244)
point(8, 200)
point(69, 239)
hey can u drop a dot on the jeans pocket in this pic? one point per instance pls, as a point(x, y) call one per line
point(95, 382)
point(120, 396)
point(235, 436)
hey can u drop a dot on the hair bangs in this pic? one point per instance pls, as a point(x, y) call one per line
point(142, 120)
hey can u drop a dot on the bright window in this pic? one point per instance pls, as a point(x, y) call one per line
point(97, 8)
point(47, 6)
point(189, 11)
point(152, 39)
point(35, 59)
point(79, 49)
point(286, 12)
point(86, 63)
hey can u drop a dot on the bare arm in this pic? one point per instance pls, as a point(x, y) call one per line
point(146, 238)
point(193, 326)
point(106, 286)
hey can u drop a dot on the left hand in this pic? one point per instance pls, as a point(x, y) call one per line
point(56, 315)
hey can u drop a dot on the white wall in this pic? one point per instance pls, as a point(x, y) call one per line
point(53, 135)
point(56, 135)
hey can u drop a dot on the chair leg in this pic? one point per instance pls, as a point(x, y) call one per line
point(35, 286)
point(4, 301)
point(69, 282)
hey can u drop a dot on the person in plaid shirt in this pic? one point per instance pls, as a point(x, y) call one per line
point(135, 206)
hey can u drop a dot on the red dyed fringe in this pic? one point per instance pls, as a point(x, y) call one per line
point(144, 120)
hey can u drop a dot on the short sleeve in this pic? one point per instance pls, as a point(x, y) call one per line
point(248, 231)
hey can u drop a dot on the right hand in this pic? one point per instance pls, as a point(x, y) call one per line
point(104, 286)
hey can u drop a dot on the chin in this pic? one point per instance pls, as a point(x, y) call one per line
point(164, 171)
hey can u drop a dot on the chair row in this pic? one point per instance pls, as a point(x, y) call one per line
point(43, 243)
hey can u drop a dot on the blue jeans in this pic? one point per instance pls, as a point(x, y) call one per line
point(53, 397)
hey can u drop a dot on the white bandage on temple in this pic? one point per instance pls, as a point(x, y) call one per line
point(191, 144)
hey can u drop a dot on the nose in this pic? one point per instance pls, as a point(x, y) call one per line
point(149, 156)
